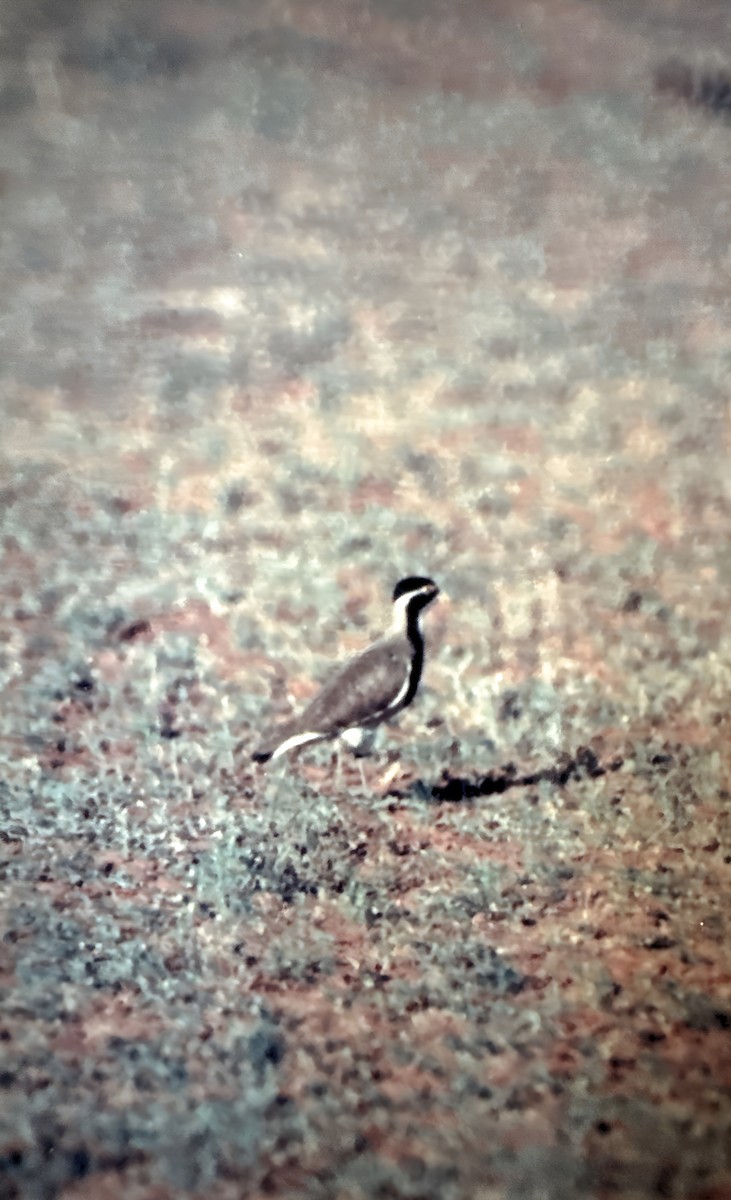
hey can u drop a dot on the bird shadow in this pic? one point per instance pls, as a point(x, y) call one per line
point(454, 789)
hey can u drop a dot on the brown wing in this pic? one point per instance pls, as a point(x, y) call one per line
point(362, 688)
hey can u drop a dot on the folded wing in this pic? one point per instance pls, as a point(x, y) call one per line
point(362, 690)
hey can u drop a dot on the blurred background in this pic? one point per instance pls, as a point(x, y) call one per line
point(302, 298)
point(296, 299)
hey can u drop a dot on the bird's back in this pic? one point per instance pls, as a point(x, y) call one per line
point(364, 689)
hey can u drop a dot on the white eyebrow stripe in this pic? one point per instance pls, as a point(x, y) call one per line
point(400, 608)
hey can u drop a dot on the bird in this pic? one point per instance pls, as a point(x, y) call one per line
point(367, 689)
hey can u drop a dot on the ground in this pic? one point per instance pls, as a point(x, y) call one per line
point(299, 299)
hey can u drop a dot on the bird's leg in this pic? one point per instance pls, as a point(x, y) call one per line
point(340, 774)
point(359, 760)
point(360, 742)
point(366, 747)
point(338, 766)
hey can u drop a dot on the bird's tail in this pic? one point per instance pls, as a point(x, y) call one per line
point(273, 740)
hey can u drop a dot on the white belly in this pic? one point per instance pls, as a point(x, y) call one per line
point(359, 740)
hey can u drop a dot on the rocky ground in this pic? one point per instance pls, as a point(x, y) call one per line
point(298, 299)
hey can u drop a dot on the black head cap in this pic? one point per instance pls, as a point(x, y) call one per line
point(416, 583)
